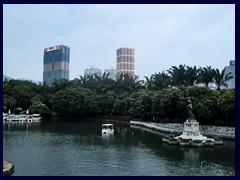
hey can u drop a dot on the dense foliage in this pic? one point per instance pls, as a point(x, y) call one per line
point(162, 97)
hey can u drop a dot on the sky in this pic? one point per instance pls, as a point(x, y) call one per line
point(163, 35)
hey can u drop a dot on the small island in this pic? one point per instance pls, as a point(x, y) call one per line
point(191, 135)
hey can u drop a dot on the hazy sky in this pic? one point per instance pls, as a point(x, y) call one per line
point(162, 35)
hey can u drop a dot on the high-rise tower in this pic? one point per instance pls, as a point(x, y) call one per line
point(230, 69)
point(111, 72)
point(125, 61)
point(92, 71)
point(56, 62)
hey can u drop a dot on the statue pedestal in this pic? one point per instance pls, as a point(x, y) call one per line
point(191, 130)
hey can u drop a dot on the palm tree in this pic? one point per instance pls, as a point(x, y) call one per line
point(177, 75)
point(75, 82)
point(88, 81)
point(45, 95)
point(8, 101)
point(190, 76)
point(183, 75)
point(205, 75)
point(149, 82)
point(59, 84)
point(107, 84)
point(103, 83)
point(127, 82)
point(220, 78)
point(83, 80)
point(161, 80)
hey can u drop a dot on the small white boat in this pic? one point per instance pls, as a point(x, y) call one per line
point(107, 129)
point(4, 117)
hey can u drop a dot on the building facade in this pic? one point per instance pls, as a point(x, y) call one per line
point(56, 63)
point(112, 73)
point(125, 61)
point(92, 71)
point(230, 69)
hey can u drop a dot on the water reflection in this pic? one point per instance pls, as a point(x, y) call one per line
point(216, 160)
point(147, 130)
point(191, 155)
point(79, 148)
point(107, 137)
point(20, 127)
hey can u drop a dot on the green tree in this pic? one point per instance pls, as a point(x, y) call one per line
point(128, 83)
point(204, 103)
point(141, 104)
point(205, 75)
point(8, 101)
point(39, 108)
point(21, 91)
point(44, 94)
point(106, 102)
point(74, 102)
point(183, 75)
point(158, 104)
point(191, 76)
point(103, 83)
point(161, 80)
point(174, 103)
point(59, 84)
point(119, 104)
point(226, 104)
point(149, 82)
point(220, 78)
point(177, 75)
point(76, 82)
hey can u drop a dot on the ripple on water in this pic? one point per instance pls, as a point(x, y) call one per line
point(62, 151)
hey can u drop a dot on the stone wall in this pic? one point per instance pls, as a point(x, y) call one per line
point(177, 128)
point(222, 132)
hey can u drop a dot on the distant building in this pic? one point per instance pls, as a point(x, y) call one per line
point(93, 71)
point(231, 68)
point(125, 61)
point(56, 63)
point(112, 73)
point(211, 85)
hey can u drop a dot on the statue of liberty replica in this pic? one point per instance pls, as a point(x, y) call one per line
point(191, 126)
point(189, 109)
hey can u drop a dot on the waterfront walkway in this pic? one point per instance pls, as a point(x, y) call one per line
point(177, 128)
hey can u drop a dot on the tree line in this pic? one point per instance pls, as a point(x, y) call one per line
point(162, 97)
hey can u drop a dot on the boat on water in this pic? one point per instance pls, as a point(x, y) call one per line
point(21, 118)
point(36, 117)
point(4, 117)
point(107, 129)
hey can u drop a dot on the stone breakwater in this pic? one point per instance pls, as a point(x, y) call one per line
point(177, 128)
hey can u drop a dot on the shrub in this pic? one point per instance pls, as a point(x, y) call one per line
point(197, 141)
point(172, 139)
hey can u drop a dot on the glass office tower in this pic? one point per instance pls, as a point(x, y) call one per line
point(56, 63)
point(92, 71)
point(111, 72)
